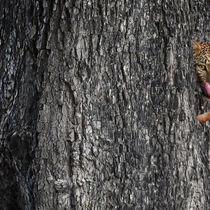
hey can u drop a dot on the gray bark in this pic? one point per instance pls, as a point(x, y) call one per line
point(98, 102)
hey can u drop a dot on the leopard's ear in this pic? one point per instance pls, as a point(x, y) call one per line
point(196, 47)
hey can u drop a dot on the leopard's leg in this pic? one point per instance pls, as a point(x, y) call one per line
point(204, 117)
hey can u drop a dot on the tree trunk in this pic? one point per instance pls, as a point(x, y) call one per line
point(98, 105)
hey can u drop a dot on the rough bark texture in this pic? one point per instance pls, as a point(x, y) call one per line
point(97, 105)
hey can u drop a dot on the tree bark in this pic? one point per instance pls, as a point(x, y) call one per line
point(98, 105)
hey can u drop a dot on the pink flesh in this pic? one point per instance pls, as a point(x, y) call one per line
point(207, 89)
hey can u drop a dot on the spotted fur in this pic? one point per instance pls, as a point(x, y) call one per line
point(201, 54)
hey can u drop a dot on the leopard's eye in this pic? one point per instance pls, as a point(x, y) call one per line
point(202, 66)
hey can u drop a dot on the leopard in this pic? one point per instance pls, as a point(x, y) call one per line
point(201, 55)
